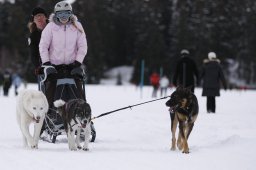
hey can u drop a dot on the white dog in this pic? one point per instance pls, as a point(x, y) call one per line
point(31, 107)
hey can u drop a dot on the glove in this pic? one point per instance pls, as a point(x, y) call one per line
point(75, 64)
point(48, 63)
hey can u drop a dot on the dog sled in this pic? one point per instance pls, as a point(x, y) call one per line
point(66, 88)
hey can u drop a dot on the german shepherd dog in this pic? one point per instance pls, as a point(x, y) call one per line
point(76, 115)
point(184, 111)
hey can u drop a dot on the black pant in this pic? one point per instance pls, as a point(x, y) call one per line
point(210, 104)
point(163, 91)
point(155, 88)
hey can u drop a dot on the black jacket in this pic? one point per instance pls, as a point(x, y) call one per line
point(185, 73)
point(211, 76)
point(34, 39)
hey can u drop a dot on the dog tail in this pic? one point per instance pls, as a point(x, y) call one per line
point(59, 103)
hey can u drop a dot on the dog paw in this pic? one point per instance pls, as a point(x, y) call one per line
point(34, 146)
point(86, 149)
point(185, 151)
point(173, 148)
point(73, 148)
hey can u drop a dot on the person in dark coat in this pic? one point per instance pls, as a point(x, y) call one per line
point(7, 82)
point(186, 73)
point(211, 76)
point(37, 23)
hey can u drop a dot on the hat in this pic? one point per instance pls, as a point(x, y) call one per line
point(38, 10)
point(184, 51)
point(212, 55)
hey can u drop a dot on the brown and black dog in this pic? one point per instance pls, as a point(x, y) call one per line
point(184, 111)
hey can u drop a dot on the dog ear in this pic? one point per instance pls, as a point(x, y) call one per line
point(88, 108)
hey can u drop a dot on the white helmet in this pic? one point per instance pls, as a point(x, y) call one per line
point(62, 6)
point(211, 55)
point(184, 51)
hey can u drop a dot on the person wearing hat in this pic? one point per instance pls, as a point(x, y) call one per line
point(211, 76)
point(63, 40)
point(37, 23)
point(186, 73)
point(63, 45)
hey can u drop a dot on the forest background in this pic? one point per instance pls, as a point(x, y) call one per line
point(127, 32)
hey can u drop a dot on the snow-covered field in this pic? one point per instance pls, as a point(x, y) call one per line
point(140, 138)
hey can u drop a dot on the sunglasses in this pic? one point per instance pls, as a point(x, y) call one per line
point(63, 15)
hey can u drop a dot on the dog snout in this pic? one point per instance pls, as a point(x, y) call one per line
point(84, 123)
point(38, 117)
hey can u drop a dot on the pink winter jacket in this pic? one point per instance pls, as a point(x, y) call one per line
point(62, 44)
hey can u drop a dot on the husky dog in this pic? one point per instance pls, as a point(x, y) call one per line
point(31, 107)
point(76, 115)
point(184, 111)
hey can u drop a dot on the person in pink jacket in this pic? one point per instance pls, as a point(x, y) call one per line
point(63, 40)
point(63, 45)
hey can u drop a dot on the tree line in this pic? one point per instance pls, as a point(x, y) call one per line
point(127, 32)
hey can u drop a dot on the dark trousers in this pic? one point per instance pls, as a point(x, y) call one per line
point(163, 91)
point(155, 88)
point(210, 104)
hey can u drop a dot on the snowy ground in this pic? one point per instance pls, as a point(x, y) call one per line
point(139, 139)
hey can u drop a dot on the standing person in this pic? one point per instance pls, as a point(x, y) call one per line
point(164, 84)
point(63, 45)
point(1, 81)
point(37, 23)
point(16, 81)
point(7, 82)
point(186, 71)
point(154, 80)
point(211, 76)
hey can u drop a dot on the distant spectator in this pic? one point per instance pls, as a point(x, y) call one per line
point(186, 71)
point(7, 82)
point(1, 80)
point(119, 79)
point(16, 81)
point(211, 76)
point(154, 80)
point(164, 84)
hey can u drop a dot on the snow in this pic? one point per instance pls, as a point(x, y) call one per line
point(140, 138)
point(125, 73)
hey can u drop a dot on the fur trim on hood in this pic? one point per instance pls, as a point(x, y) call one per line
point(73, 20)
point(208, 60)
